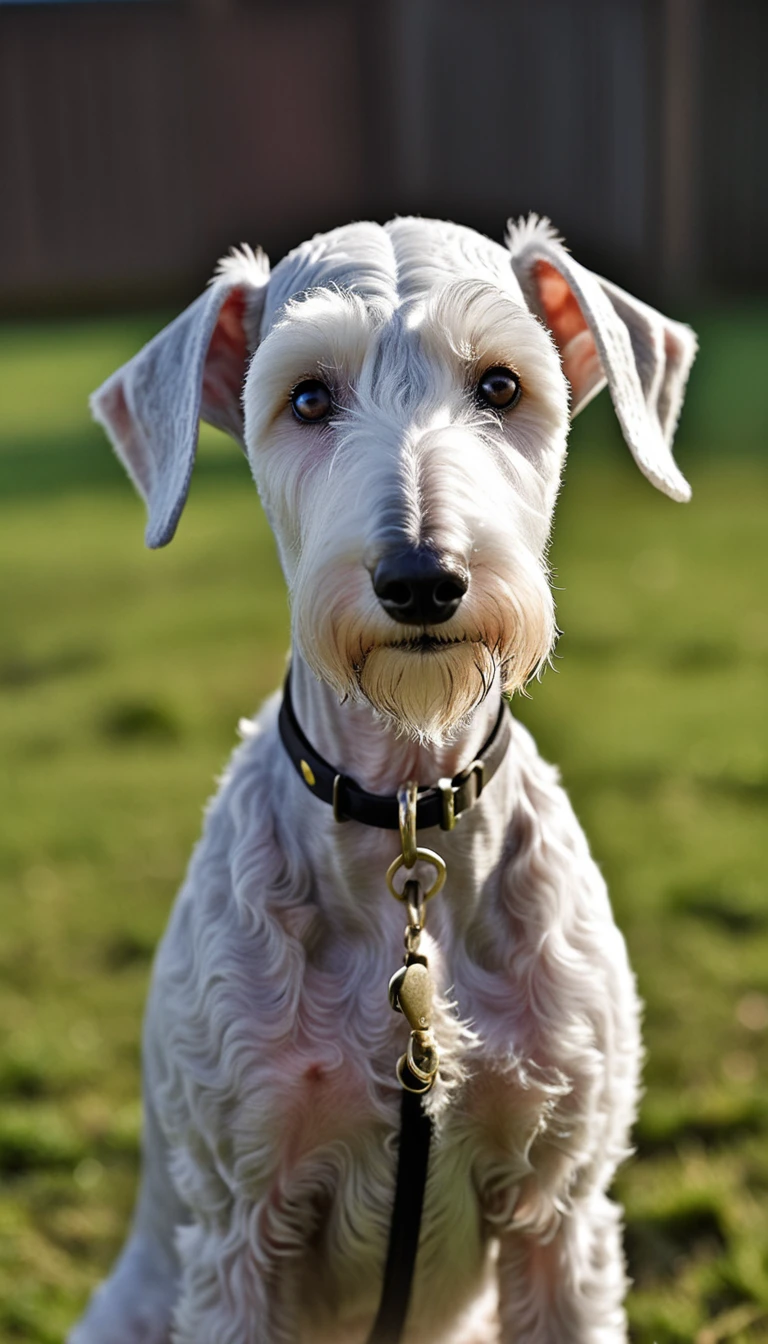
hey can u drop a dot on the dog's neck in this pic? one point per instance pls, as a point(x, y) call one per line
point(362, 745)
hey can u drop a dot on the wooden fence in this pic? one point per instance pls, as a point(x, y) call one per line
point(139, 140)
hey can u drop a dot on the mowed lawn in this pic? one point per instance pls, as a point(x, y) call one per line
point(123, 674)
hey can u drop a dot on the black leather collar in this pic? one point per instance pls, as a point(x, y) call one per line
point(440, 805)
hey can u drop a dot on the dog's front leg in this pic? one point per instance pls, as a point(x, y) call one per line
point(135, 1304)
point(567, 1289)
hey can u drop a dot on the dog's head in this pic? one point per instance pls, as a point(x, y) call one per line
point(403, 395)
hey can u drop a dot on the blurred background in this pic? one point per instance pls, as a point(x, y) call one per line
point(141, 139)
point(138, 141)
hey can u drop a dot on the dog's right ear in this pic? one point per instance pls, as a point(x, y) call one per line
point(195, 368)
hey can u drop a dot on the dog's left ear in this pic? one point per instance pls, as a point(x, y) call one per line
point(194, 369)
point(606, 336)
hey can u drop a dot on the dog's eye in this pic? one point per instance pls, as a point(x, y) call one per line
point(499, 388)
point(311, 400)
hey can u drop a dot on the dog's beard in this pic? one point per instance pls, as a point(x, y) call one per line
point(427, 690)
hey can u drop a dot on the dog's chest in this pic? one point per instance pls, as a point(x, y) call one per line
point(334, 1117)
point(338, 1106)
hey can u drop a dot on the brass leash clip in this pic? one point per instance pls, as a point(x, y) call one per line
point(411, 988)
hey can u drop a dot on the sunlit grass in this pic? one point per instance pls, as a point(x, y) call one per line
point(122, 676)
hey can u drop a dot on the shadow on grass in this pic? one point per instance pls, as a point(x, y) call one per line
point(656, 1243)
point(737, 1119)
point(725, 910)
point(20, 672)
point(40, 467)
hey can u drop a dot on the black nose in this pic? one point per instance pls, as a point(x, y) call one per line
point(417, 587)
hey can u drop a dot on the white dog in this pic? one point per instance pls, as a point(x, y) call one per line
point(403, 394)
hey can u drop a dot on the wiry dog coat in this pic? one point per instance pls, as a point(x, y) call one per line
point(270, 1096)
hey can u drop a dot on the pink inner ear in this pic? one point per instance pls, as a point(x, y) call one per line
point(116, 407)
point(562, 312)
point(225, 367)
point(563, 316)
point(112, 410)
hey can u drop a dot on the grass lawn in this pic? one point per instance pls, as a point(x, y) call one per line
point(123, 674)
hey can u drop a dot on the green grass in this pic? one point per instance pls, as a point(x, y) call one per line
point(122, 676)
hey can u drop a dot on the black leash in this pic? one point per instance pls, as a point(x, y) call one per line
point(412, 1161)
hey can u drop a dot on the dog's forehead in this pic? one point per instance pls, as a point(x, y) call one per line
point(430, 252)
point(389, 265)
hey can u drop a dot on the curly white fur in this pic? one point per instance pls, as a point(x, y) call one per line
point(271, 1101)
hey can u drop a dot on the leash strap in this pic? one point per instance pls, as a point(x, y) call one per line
point(412, 1161)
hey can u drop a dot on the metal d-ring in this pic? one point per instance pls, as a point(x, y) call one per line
point(408, 1081)
point(420, 856)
